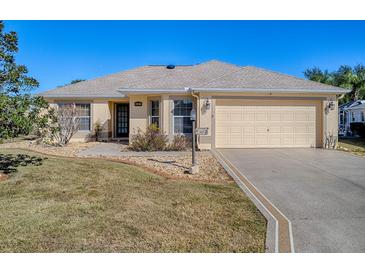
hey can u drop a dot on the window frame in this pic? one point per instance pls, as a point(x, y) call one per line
point(181, 116)
point(80, 103)
point(362, 116)
point(151, 116)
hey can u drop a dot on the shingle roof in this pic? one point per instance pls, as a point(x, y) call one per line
point(209, 75)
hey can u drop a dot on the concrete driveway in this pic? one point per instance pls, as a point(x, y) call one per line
point(322, 193)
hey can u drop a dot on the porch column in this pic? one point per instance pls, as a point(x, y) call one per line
point(165, 114)
point(138, 114)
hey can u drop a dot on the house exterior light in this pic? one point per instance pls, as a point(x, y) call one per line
point(207, 103)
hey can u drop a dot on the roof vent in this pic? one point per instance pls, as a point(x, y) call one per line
point(170, 66)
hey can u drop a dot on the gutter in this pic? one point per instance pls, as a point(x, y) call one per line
point(339, 91)
point(197, 97)
point(233, 90)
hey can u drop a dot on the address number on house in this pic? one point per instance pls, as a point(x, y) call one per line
point(201, 131)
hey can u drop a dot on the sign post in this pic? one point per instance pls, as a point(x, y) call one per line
point(194, 167)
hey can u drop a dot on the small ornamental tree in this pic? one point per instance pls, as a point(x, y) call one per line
point(68, 123)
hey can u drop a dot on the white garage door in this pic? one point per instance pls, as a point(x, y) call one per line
point(265, 126)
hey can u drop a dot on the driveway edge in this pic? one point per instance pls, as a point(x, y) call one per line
point(279, 231)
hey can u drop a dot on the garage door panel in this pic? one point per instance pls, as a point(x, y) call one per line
point(236, 116)
point(265, 126)
point(236, 131)
point(248, 116)
point(260, 116)
point(300, 139)
point(274, 139)
point(250, 130)
point(300, 129)
point(275, 116)
point(287, 140)
point(248, 140)
point(300, 116)
point(274, 129)
point(261, 139)
point(261, 129)
point(287, 116)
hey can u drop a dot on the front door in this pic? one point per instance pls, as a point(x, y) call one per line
point(122, 120)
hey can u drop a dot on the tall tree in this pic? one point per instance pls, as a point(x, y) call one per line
point(13, 77)
point(316, 74)
point(20, 112)
point(345, 77)
point(72, 82)
point(76, 81)
point(351, 78)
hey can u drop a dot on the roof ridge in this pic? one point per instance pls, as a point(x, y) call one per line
point(191, 67)
point(154, 79)
point(291, 76)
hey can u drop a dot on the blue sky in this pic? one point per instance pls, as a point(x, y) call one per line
point(57, 52)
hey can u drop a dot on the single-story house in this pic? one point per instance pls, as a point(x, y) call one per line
point(351, 112)
point(241, 106)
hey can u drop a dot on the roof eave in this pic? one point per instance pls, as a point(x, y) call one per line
point(128, 91)
point(273, 90)
point(80, 96)
point(141, 91)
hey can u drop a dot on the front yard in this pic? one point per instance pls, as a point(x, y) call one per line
point(94, 205)
point(354, 145)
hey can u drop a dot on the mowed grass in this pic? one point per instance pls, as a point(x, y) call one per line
point(87, 205)
point(354, 145)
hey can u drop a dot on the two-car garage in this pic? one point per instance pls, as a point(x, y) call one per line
point(245, 123)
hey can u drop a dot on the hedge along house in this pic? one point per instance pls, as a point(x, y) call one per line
point(242, 107)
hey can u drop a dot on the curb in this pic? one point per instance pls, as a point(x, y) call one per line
point(279, 236)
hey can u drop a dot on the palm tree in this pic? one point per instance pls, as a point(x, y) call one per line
point(345, 77)
point(351, 78)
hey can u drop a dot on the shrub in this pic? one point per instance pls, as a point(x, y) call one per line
point(179, 143)
point(152, 139)
point(10, 162)
point(358, 128)
point(97, 130)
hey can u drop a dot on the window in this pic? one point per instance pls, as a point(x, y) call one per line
point(182, 122)
point(155, 113)
point(353, 116)
point(362, 116)
point(83, 111)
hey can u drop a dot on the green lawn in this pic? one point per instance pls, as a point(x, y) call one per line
point(88, 205)
point(353, 145)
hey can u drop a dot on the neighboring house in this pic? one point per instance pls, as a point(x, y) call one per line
point(242, 107)
point(350, 113)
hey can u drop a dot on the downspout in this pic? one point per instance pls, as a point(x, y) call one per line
point(197, 97)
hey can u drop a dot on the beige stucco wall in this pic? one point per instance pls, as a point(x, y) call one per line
point(330, 118)
point(103, 110)
point(205, 142)
point(138, 115)
point(102, 113)
point(165, 113)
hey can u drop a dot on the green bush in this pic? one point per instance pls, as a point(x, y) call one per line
point(98, 128)
point(358, 128)
point(152, 139)
point(10, 162)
